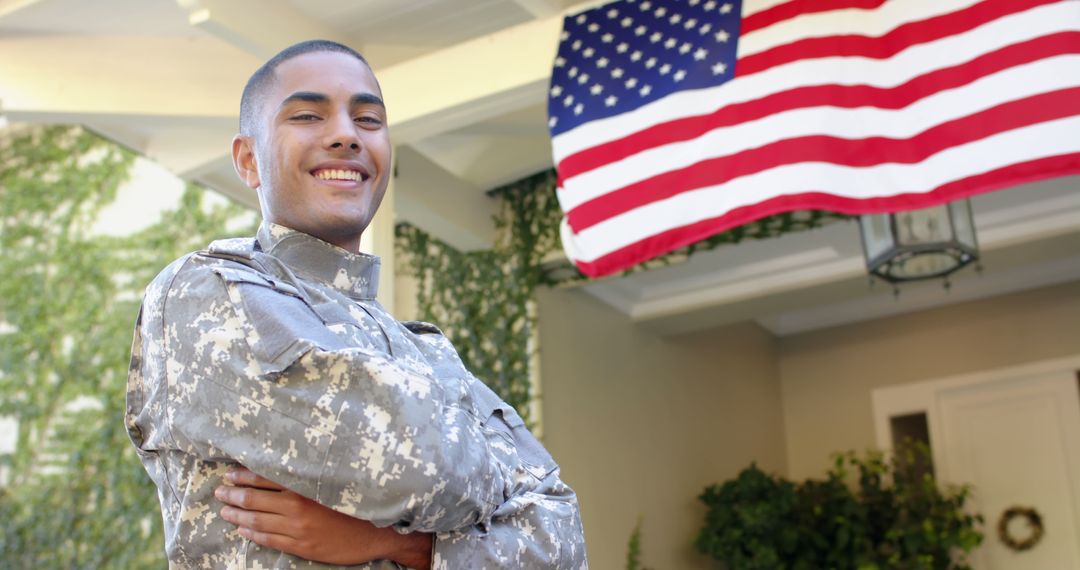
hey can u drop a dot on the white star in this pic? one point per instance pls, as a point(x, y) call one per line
point(596, 89)
point(660, 12)
point(568, 100)
point(645, 90)
point(556, 90)
point(694, 2)
point(631, 83)
point(611, 100)
point(689, 23)
point(627, 22)
point(646, 5)
point(719, 68)
point(564, 36)
point(650, 63)
point(582, 78)
point(708, 6)
point(607, 38)
point(704, 29)
point(655, 37)
point(572, 72)
point(576, 45)
point(581, 19)
point(621, 48)
point(685, 48)
point(588, 52)
point(664, 69)
point(679, 75)
point(700, 54)
point(552, 122)
point(560, 61)
point(594, 27)
point(635, 56)
point(675, 19)
point(602, 62)
point(722, 36)
point(726, 8)
point(578, 108)
point(640, 30)
point(612, 13)
point(670, 43)
point(617, 72)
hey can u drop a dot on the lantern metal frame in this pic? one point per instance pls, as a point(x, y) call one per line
point(957, 248)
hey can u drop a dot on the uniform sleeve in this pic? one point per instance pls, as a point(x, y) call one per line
point(255, 377)
point(542, 531)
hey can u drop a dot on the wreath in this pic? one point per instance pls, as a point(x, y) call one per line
point(1034, 521)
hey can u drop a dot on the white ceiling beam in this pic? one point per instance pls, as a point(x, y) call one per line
point(259, 27)
point(9, 7)
point(539, 8)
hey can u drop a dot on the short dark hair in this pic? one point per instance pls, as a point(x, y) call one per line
point(251, 100)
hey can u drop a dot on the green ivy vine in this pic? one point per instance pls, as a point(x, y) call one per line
point(75, 494)
point(485, 300)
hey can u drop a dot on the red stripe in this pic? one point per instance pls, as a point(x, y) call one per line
point(659, 244)
point(843, 96)
point(788, 10)
point(818, 148)
point(890, 44)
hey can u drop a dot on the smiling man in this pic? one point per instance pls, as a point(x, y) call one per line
point(367, 440)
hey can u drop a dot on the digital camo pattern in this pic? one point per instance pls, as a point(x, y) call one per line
point(273, 353)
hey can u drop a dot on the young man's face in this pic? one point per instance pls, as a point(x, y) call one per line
point(321, 156)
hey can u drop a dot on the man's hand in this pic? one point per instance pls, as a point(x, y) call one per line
point(273, 516)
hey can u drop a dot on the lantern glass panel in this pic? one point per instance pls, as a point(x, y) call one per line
point(877, 239)
point(963, 223)
point(929, 225)
point(922, 266)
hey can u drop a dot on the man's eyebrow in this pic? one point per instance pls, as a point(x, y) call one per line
point(367, 99)
point(305, 96)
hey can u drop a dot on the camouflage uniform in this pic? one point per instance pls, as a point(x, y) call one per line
point(273, 353)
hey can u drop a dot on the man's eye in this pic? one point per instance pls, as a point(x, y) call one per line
point(368, 120)
point(304, 117)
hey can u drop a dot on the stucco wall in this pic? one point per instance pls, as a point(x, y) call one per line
point(641, 424)
point(828, 375)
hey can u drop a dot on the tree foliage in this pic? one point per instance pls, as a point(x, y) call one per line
point(893, 515)
point(76, 495)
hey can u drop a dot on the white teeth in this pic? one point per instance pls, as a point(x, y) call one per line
point(333, 174)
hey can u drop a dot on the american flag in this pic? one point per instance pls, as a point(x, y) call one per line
point(673, 120)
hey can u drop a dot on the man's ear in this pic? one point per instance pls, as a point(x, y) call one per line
point(244, 161)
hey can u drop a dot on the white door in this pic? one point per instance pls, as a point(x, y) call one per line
point(1017, 440)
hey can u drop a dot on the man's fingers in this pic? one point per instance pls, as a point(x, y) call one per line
point(269, 539)
point(281, 502)
point(257, 520)
point(247, 478)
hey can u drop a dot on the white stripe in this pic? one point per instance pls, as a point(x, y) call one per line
point(751, 7)
point(1011, 147)
point(1007, 85)
point(899, 69)
point(852, 21)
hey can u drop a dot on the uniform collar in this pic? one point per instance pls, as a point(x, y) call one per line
point(354, 274)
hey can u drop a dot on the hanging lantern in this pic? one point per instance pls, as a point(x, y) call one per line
point(919, 244)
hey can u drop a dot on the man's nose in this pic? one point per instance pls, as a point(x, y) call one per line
point(342, 133)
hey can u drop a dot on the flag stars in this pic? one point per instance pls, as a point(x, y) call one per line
point(564, 36)
point(588, 52)
point(640, 30)
point(722, 36)
point(645, 90)
point(631, 83)
point(670, 43)
point(685, 48)
point(690, 24)
point(708, 6)
point(650, 63)
point(660, 12)
point(560, 61)
point(679, 75)
point(583, 78)
point(726, 8)
point(704, 29)
point(665, 69)
point(700, 54)
point(578, 108)
point(568, 100)
point(627, 22)
point(622, 47)
point(612, 14)
point(635, 56)
point(607, 38)
point(719, 68)
point(556, 90)
point(573, 72)
point(581, 19)
point(695, 2)
point(617, 73)
point(675, 19)
point(552, 121)
point(594, 27)
point(611, 100)
point(645, 6)
point(602, 62)
point(576, 45)
point(655, 37)
point(596, 89)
